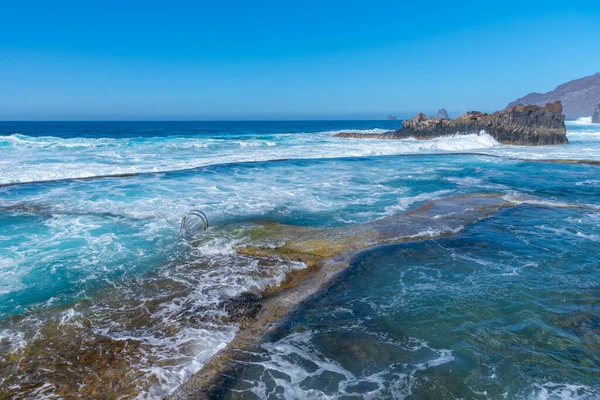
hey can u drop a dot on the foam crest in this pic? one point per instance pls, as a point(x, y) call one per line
point(52, 158)
point(293, 365)
point(11, 341)
point(536, 201)
point(581, 121)
point(566, 391)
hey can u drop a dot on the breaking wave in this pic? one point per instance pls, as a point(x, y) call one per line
point(35, 159)
point(581, 121)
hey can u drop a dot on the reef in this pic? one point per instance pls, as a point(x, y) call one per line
point(596, 115)
point(528, 125)
point(327, 252)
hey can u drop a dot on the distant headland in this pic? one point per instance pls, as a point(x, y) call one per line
point(578, 97)
point(520, 125)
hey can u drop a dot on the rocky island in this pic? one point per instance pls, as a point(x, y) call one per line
point(596, 115)
point(392, 118)
point(519, 125)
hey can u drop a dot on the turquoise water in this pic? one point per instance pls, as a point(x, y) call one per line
point(506, 308)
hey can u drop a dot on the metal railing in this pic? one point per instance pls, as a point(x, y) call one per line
point(195, 213)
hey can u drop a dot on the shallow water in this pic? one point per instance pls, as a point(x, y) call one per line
point(509, 308)
point(101, 262)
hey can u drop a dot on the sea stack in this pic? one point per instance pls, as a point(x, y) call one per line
point(528, 125)
point(441, 114)
point(392, 118)
point(596, 115)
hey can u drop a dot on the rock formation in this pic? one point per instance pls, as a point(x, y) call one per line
point(521, 125)
point(441, 114)
point(596, 115)
point(327, 252)
point(578, 97)
point(392, 118)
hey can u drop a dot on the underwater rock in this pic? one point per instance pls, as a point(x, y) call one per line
point(246, 305)
point(328, 252)
point(519, 125)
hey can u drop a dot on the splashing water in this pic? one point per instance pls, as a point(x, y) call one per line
point(100, 294)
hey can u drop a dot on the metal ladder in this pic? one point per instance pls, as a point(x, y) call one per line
point(195, 213)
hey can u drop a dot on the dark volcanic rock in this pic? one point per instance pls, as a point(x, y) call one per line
point(246, 305)
point(522, 125)
point(441, 114)
point(578, 97)
point(596, 115)
point(392, 118)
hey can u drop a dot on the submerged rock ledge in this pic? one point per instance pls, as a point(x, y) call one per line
point(327, 252)
point(528, 125)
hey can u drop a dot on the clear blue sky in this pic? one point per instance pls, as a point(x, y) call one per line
point(282, 59)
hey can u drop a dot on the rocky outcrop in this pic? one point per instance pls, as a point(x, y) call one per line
point(441, 114)
point(596, 115)
point(327, 252)
point(578, 97)
point(521, 125)
point(392, 118)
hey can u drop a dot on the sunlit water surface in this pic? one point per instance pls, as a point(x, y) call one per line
point(100, 293)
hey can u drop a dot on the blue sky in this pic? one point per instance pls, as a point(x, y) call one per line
point(286, 60)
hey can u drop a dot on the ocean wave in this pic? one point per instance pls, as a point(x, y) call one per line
point(536, 201)
point(37, 159)
point(565, 391)
point(580, 121)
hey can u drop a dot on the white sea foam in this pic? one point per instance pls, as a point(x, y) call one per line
point(563, 391)
point(29, 159)
point(589, 182)
point(93, 232)
point(210, 273)
point(581, 121)
point(10, 275)
point(524, 199)
point(405, 202)
point(11, 341)
point(292, 363)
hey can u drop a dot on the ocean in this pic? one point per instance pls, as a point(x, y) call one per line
point(102, 294)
